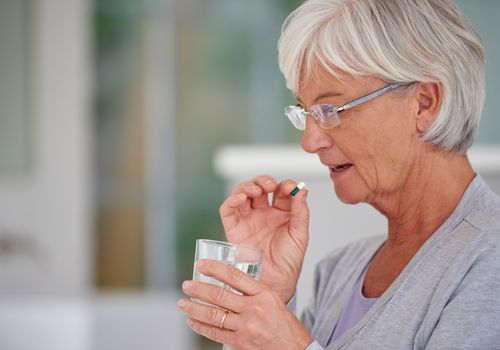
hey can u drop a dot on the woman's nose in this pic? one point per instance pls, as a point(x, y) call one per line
point(315, 138)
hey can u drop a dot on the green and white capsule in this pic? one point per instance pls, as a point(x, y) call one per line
point(297, 189)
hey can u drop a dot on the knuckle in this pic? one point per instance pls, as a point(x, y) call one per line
point(196, 327)
point(219, 295)
point(235, 275)
point(253, 329)
point(246, 325)
point(222, 207)
point(259, 311)
point(266, 298)
point(246, 185)
point(267, 295)
point(242, 187)
point(238, 188)
point(271, 294)
point(251, 186)
point(212, 315)
point(263, 178)
point(213, 333)
point(235, 190)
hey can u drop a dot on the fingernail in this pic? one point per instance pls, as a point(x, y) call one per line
point(185, 285)
point(255, 188)
point(181, 303)
point(242, 196)
point(269, 182)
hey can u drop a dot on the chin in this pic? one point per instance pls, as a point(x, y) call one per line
point(348, 194)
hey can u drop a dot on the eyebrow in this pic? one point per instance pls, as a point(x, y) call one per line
point(322, 96)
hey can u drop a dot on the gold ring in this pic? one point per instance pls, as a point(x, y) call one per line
point(221, 325)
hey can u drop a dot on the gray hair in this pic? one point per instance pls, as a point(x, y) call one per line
point(398, 41)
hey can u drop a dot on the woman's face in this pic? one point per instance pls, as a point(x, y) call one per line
point(371, 153)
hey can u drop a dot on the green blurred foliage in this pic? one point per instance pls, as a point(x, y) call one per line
point(214, 54)
point(214, 58)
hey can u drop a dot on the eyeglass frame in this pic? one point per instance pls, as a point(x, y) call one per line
point(336, 110)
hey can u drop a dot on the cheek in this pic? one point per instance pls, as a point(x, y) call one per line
point(380, 150)
point(363, 148)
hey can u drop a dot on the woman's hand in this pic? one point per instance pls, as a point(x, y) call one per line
point(280, 229)
point(258, 319)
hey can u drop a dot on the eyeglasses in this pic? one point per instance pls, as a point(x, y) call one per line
point(327, 115)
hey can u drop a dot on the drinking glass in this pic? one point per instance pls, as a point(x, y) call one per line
point(246, 259)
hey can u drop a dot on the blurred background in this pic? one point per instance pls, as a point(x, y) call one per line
point(123, 123)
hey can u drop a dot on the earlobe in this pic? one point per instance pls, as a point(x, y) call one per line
point(429, 101)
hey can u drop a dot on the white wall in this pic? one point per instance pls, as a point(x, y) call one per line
point(45, 215)
point(105, 322)
point(333, 223)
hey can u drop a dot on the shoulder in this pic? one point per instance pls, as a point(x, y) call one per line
point(484, 249)
point(476, 238)
point(468, 303)
point(475, 270)
point(485, 214)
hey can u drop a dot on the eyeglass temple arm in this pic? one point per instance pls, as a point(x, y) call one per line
point(369, 97)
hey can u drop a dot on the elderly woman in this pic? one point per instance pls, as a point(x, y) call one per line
point(390, 95)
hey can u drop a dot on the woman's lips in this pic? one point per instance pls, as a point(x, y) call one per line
point(340, 168)
point(339, 171)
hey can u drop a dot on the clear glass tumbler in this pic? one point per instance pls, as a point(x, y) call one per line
point(246, 259)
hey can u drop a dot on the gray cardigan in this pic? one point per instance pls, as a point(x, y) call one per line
point(447, 297)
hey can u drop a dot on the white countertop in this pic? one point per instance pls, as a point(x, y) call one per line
point(237, 161)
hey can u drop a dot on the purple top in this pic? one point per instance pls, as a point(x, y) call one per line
point(357, 306)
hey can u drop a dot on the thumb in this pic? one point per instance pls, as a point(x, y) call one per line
point(299, 220)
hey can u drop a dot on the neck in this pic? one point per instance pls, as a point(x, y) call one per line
point(427, 198)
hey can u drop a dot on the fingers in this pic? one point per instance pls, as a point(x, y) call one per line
point(230, 276)
point(209, 314)
point(267, 185)
point(247, 195)
point(297, 205)
point(232, 206)
point(282, 199)
point(254, 194)
point(213, 295)
point(299, 220)
point(257, 190)
point(216, 334)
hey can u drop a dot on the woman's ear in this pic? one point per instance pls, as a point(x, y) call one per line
point(429, 96)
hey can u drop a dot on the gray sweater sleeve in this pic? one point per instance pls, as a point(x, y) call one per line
point(292, 306)
point(309, 314)
point(471, 317)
